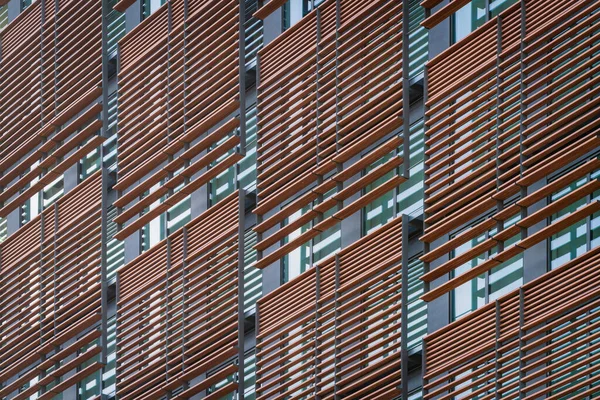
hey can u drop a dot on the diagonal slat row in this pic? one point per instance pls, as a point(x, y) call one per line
point(513, 120)
point(321, 104)
point(335, 329)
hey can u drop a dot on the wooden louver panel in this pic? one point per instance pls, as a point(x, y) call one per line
point(525, 345)
point(320, 104)
point(334, 331)
point(50, 82)
point(51, 303)
point(512, 120)
point(178, 106)
point(178, 310)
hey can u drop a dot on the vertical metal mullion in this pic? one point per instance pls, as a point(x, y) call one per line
point(240, 291)
point(42, 373)
point(426, 245)
point(521, 344)
point(404, 310)
point(340, 203)
point(522, 107)
point(242, 196)
point(170, 176)
point(320, 179)
point(405, 98)
point(497, 350)
point(317, 341)
point(56, 5)
point(187, 162)
point(259, 219)
point(339, 166)
point(104, 202)
point(499, 203)
point(183, 306)
point(55, 290)
point(167, 313)
point(337, 318)
point(242, 76)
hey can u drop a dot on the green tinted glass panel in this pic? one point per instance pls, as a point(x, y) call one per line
point(252, 275)
point(467, 19)
point(497, 6)
point(3, 17)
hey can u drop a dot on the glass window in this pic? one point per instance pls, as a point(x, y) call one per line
point(110, 145)
point(156, 230)
point(42, 200)
point(410, 195)
point(32, 207)
point(286, 18)
point(89, 387)
point(247, 177)
point(89, 164)
point(3, 230)
point(467, 19)
point(26, 3)
point(115, 249)
point(252, 275)
point(418, 39)
point(179, 215)
point(491, 285)
point(473, 15)
point(471, 295)
point(579, 237)
point(224, 184)
point(497, 6)
point(307, 5)
point(253, 29)
point(149, 6)
point(417, 308)
point(116, 28)
point(323, 245)
point(250, 375)
point(298, 260)
point(3, 17)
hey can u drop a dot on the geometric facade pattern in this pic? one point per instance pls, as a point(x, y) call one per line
point(176, 100)
point(525, 344)
point(329, 89)
point(51, 303)
point(336, 330)
point(526, 109)
point(418, 229)
point(178, 311)
point(46, 95)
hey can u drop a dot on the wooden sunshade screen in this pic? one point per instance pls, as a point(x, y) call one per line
point(334, 331)
point(312, 131)
point(178, 310)
point(51, 297)
point(526, 345)
point(498, 120)
point(50, 82)
point(268, 8)
point(178, 91)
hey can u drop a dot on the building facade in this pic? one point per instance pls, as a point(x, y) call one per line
point(299, 199)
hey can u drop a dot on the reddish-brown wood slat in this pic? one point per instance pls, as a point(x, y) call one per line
point(295, 150)
point(477, 160)
point(57, 296)
point(178, 102)
point(49, 91)
point(558, 339)
point(194, 271)
point(361, 314)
